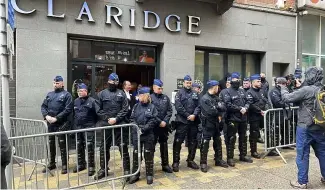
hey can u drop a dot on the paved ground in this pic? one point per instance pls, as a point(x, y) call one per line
point(268, 173)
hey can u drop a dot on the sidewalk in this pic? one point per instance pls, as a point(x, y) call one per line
point(268, 173)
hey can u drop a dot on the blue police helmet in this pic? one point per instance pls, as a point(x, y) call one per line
point(255, 77)
point(113, 76)
point(228, 78)
point(82, 86)
point(58, 79)
point(212, 83)
point(196, 85)
point(158, 82)
point(246, 79)
point(187, 78)
point(235, 75)
point(144, 90)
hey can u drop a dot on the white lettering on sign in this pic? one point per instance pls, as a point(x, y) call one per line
point(150, 24)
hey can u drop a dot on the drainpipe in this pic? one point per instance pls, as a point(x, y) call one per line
point(5, 80)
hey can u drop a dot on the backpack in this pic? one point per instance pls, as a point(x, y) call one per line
point(319, 117)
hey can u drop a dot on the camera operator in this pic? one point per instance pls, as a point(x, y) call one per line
point(308, 134)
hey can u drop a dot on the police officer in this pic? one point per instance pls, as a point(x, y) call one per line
point(85, 116)
point(145, 115)
point(211, 106)
point(165, 111)
point(237, 108)
point(246, 84)
point(187, 107)
point(56, 109)
point(113, 108)
point(257, 100)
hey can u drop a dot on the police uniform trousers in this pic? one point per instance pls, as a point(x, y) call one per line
point(161, 136)
point(230, 131)
point(117, 137)
point(62, 139)
point(254, 131)
point(85, 142)
point(147, 147)
point(210, 130)
point(182, 130)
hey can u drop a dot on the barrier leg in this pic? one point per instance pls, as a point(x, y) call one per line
point(284, 160)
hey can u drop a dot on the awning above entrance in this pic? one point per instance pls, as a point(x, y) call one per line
point(221, 6)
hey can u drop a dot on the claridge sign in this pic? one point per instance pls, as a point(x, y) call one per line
point(85, 12)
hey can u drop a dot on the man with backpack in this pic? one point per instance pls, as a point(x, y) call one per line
point(308, 133)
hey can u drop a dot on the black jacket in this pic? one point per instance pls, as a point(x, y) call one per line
point(85, 112)
point(5, 148)
point(235, 100)
point(112, 104)
point(144, 115)
point(58, 104)
point(186, 104)
point(211, 108)
point(164, 107)
point(257, 101)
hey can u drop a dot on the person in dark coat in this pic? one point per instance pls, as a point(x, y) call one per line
point(223, 82)
point(5, 156)
point(113, 109)
point(85, 116)
point(131, 98)
point(187, 119)
point(144, 114)
point(165, 111)
point(211, 109)
point(56, 109)
point(257, 106)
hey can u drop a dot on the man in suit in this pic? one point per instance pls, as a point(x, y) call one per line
point(126, 89)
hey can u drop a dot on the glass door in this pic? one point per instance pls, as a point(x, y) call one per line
point(101, 73)
point(94, 75)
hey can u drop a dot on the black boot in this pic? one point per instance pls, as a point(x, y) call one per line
point(191, 156)
point(103, 172)
point(126, 159)
point(204, 156)
point(81, 157)
point(51, 165)
point(148, 156)
point(217, 146)
point(63, 149)
point(91, 159)
point(243, 150)
point(230, 151)
point(253, 144)
point(164, 158)
point(135, 166)
point(176, 154)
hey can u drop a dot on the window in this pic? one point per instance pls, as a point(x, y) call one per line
point(104, 51)
point(147, 55)
point(199, 65)
point(251, 61)
point(215, 66)
point(313, 41)
point(235, 63)
point(80, 49)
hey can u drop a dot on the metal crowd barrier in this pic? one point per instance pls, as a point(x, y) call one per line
point(280, 129)
point(38, 144)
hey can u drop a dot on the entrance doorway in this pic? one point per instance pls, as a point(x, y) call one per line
point(140, 74)
point(92, 61)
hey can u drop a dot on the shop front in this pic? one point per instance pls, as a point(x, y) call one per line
point(87, 40)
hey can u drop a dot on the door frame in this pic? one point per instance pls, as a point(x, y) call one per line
point(93, 64)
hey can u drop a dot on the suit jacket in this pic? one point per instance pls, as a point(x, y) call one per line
point(132, 102)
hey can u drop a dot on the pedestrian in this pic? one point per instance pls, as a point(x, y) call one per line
point(131, 99)
point(144, 115)
point(237, 109)
point(165, 111)
point(308, 133)
point(257, 105)
point(5, 157)
point(264, 84)
point(57, 109)
point(211, 108)
point(188, 110)
point(113, 109)
point(85, 116)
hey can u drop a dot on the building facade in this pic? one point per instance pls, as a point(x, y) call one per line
point(143, 40)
